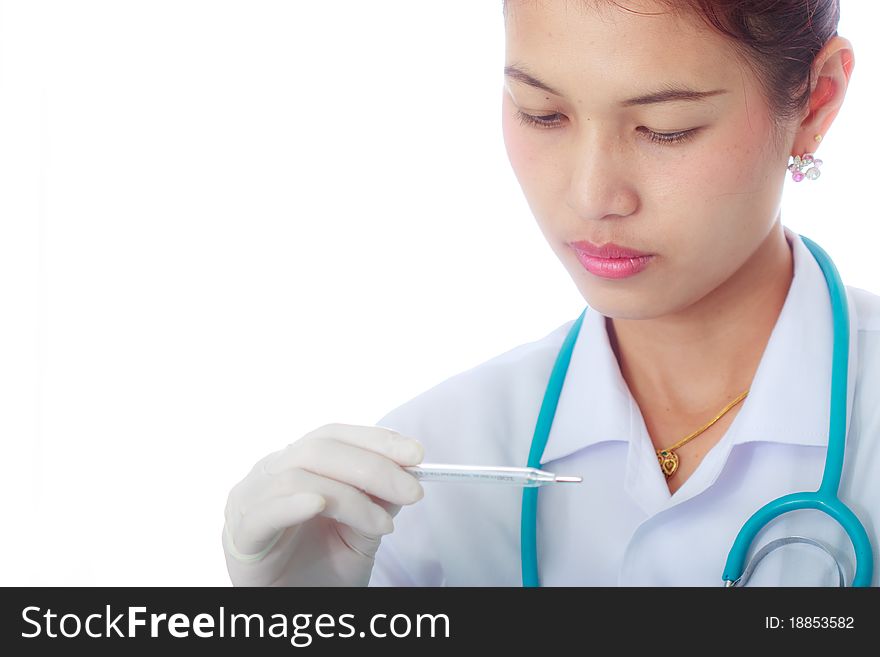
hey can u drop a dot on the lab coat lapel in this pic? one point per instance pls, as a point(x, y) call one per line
point(594, 404)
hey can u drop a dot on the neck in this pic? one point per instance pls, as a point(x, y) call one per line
point(695, 361)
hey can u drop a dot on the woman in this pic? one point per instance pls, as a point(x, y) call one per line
point(652, 140)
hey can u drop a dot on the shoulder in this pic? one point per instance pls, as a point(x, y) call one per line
point(867, 306)
point(865, 411)
point(867, 311)
point(482, 415)
point(487, 393)
point(860, 482)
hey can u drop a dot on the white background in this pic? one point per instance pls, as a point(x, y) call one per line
point(223, 224)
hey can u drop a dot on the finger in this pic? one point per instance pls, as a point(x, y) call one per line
point(391, 508)
point(361, 468)
point(363, 544)
point(259, 527)
point(392, 444)
point(344, 503)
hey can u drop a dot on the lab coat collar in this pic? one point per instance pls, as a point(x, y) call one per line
point(788, 402)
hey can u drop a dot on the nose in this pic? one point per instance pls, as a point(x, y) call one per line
point(602, 178)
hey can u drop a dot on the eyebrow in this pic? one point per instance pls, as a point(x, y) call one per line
point(665, 94)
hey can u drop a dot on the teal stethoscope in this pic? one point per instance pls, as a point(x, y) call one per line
point(825, 499)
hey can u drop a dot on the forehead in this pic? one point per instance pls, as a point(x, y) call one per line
point(610, 46)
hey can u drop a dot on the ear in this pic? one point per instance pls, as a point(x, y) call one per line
point(832, 69)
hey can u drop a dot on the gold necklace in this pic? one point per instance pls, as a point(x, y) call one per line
point(668, 459)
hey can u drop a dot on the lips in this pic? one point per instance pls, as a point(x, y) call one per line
point(609, 250)
point(611, 261)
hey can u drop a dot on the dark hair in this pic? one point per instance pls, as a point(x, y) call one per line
point(777, 39)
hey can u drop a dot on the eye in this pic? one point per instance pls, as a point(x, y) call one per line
point(670, 137)
point(538, 121)
point(550, 121)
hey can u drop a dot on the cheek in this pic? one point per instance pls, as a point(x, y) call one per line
point(528, 155)
point(744, 165)
point(514, 142)
point(731, 172)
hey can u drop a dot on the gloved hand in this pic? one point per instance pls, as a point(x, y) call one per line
point(313, 513)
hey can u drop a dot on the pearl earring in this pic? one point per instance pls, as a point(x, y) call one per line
point(808, 162)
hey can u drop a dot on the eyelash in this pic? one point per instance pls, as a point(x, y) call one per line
point(656, 137)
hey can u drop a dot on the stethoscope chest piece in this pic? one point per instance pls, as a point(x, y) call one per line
point(778, 543)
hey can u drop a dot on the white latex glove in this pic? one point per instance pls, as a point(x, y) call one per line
point(313, 513)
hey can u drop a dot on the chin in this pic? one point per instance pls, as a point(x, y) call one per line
point(617, 306)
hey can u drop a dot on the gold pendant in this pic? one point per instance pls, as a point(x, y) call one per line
point(668, 461)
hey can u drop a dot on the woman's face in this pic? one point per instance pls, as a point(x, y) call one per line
point(702, 206)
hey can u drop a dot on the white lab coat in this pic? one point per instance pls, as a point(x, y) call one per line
point(621, 526)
